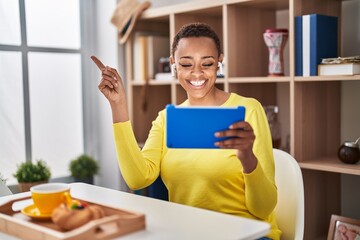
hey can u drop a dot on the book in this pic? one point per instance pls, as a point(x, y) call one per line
point(352, 59)
point(319, 40)
point(298, 46)
point(141, 71)
point(339, 69)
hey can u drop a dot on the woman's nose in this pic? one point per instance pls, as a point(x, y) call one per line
point(197, 70)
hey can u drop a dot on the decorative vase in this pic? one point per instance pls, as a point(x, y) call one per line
point(276, 39)
point(25, 186)
point(349, 152)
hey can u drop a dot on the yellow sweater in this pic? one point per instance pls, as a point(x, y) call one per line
point(205, 178)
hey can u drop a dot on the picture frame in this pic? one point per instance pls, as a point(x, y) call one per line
point(343, 228)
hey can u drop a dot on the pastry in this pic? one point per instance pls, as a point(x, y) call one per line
point(68, 218)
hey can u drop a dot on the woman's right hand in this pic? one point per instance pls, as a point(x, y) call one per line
point(111, 86)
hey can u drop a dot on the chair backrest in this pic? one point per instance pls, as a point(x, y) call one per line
point(289, 210)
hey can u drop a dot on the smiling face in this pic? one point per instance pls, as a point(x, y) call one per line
point(196, 60)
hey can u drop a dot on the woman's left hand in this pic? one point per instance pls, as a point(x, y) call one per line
point(241, 137)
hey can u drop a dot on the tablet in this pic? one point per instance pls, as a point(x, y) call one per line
point(194, 127)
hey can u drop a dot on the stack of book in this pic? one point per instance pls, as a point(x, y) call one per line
point(316, 37)
point(339, 66)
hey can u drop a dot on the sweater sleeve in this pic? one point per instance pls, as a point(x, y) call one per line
point(139, 168)
point(260, 190)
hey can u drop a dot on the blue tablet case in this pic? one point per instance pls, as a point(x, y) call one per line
point(194, 127)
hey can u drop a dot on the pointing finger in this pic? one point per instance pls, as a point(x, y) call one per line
point(98, 63)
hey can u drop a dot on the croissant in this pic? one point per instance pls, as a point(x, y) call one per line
point(74, 217)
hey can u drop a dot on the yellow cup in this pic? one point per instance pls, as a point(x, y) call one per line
point(49, 196)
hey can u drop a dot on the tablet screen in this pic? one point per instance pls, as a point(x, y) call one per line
point(194, 127)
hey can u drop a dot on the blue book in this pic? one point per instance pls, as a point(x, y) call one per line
point(319, 40)
point(298, 46)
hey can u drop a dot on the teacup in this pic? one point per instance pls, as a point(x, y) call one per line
point(49, 196)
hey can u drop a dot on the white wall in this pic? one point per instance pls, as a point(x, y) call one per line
point(101, 142)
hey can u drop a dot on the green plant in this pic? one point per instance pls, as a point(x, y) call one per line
point(32, 172)
point(83, 166)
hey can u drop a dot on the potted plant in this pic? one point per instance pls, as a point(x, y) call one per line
point(83, 169)
point(4, 190)
point(29, 174)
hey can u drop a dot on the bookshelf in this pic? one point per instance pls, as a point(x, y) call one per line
point(309, 106)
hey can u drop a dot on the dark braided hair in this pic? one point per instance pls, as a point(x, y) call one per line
point(196, 30)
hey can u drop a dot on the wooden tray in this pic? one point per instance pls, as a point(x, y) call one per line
point(117, 222)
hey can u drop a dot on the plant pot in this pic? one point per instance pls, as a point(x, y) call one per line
point(25, 186)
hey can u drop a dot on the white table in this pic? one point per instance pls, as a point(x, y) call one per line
point(165, 220)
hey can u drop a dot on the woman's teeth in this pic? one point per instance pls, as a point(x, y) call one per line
point(197, 83)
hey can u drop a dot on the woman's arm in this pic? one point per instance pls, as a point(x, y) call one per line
point(138, 170)
point(261, 191)
point(252, 139)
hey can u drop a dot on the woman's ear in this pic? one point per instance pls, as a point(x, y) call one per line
point(171, 59)
point(221, 57)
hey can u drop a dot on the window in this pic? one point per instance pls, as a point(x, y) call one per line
point(41, 100)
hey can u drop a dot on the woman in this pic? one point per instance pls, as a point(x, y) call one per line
point(236, 179)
